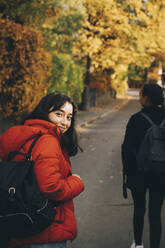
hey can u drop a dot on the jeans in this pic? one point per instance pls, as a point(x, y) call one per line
point(49, 245)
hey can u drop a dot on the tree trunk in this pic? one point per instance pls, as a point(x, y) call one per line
point(85, 104)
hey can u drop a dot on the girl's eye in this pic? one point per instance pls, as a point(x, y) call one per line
point(69, 118)
point(58, 114)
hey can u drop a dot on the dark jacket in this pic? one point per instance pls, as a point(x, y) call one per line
point(135, 131)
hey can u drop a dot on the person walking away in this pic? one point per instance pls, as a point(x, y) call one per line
point(54, 119)
point(151, 99)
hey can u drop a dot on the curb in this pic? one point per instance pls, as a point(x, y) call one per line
point(113, 110)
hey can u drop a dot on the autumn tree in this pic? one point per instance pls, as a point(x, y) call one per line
point(25, 69)
point(148, 36)
point(67, 77)
point(102, 40)
point(60, 32)
point(59, 22)
point(116, 34)
point(27, 12)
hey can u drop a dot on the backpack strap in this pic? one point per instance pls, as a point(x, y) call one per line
point(27, 155)
point(148, 119)
point(151, 122)
point(32, 146)
point(162, 123)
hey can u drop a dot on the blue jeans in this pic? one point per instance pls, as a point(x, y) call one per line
point(49, 245)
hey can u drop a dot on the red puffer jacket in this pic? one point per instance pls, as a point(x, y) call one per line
point(53, 172)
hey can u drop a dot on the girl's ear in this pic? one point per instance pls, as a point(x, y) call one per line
point(147, 101)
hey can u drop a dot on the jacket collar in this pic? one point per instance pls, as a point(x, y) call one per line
point(44, 126)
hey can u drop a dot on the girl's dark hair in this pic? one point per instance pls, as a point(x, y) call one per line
point(50, 103)
point(154, 93)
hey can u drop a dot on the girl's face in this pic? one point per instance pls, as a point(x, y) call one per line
point(144, 100)
point(62, 118)
point(141, 98)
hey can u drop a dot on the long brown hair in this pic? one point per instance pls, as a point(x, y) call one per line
point(54, 101)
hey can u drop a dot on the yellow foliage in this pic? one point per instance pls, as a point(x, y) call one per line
point(25, 68)
point(111, 35)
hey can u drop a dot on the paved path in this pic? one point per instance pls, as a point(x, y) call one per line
point(104, 217)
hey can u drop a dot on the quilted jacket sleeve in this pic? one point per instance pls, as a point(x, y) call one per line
point(53, 170)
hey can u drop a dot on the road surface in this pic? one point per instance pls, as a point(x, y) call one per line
point(104, 217)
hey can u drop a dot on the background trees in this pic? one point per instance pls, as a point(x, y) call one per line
point(25, 69)
point(117, 34)
point(27, 12)
point(87, 43)
point(28, 70)
point(60, 32)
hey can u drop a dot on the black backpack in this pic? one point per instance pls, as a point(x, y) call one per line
point(24, 210)
point(151, 154)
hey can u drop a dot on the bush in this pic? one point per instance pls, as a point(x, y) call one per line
point(67, 77)
point(25, 69)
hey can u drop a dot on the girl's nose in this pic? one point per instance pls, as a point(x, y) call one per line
point(64, 120)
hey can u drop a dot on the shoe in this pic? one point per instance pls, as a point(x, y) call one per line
point(133, 245)
point(136, 246)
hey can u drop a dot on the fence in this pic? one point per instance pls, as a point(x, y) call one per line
point(91, 98)
point(95, 99)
